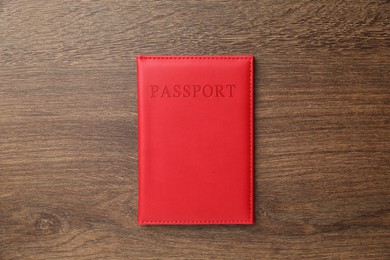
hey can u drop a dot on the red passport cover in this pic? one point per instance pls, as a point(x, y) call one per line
point(195, 140)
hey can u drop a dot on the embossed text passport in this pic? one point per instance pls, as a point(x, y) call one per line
point(195, 140)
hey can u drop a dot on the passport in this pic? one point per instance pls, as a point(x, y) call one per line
point(195, 140)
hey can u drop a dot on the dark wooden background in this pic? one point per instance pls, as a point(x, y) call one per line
point(68, 126)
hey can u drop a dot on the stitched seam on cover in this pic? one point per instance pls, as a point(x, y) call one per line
point(186, 57)
point(250, 143)
point(200, 221)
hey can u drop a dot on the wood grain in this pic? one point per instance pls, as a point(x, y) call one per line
point(68, 127)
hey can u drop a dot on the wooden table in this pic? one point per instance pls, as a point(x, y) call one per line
point(68, 127)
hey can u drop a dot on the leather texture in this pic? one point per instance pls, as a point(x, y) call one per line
point(195, 140)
